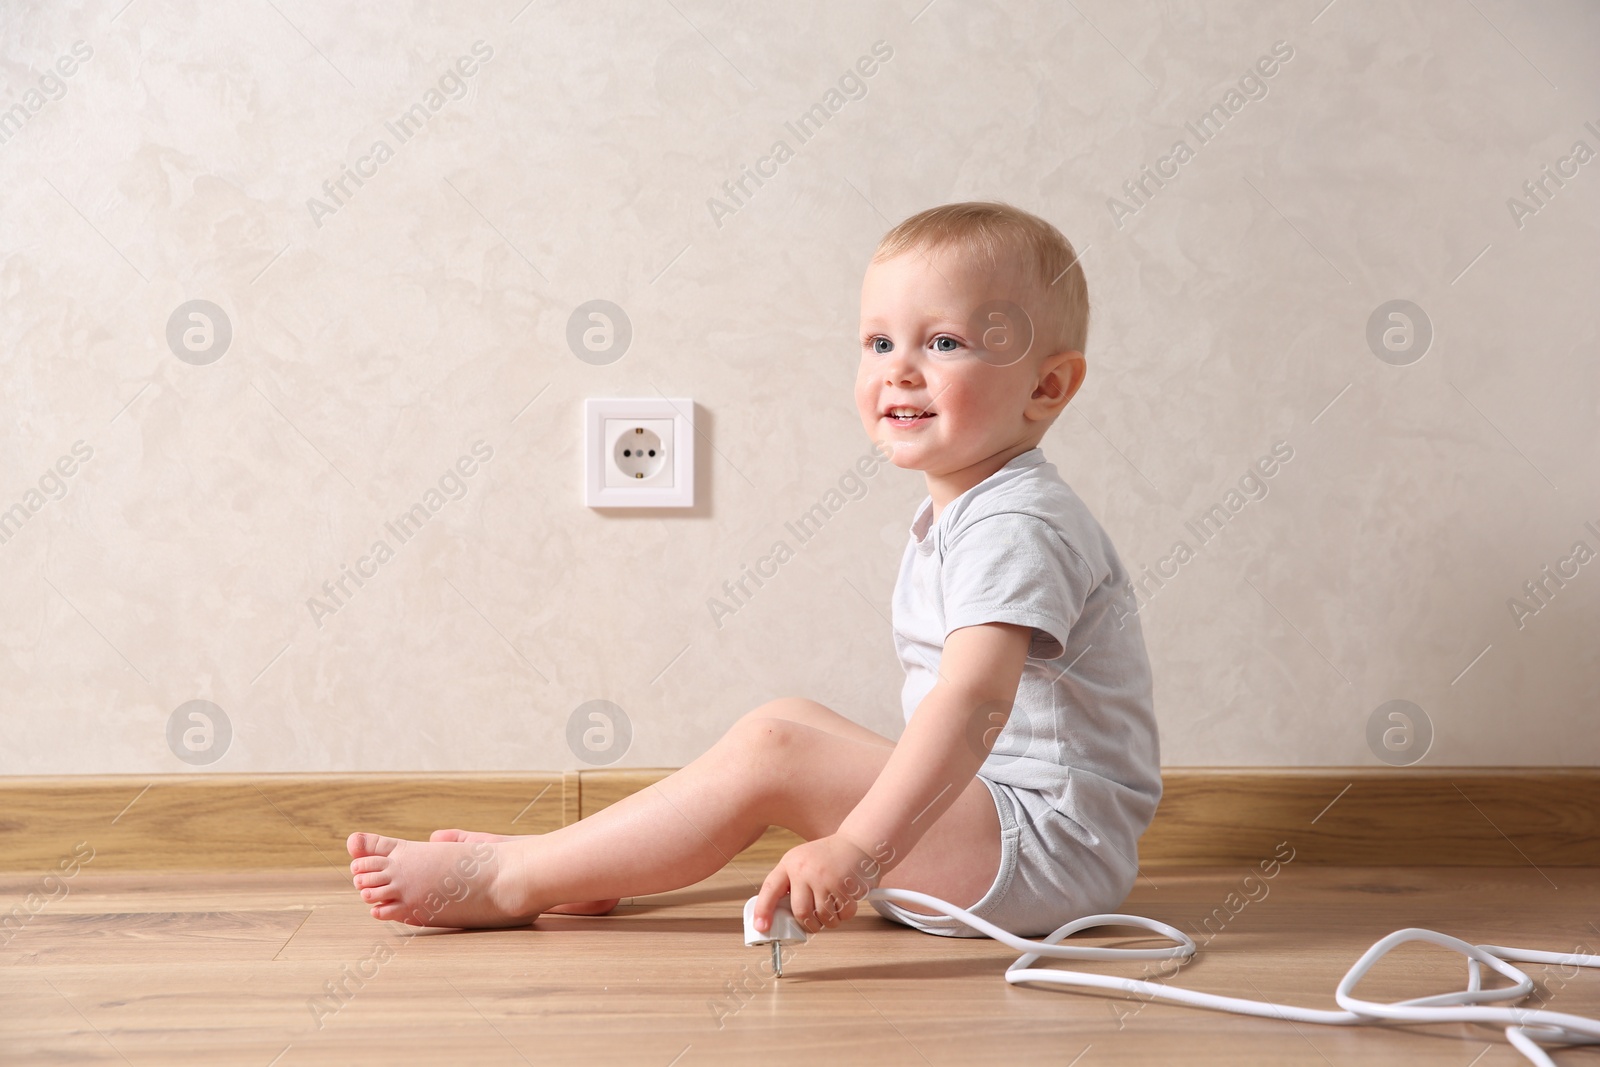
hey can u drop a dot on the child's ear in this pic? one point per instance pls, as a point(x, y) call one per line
point(1060, 377)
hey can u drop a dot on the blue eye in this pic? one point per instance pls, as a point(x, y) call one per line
point(876, 341)
point(945, 337)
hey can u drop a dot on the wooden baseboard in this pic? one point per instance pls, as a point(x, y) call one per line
point(1435, 817)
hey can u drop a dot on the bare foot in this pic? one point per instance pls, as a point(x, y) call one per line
point(443, 883)
point(468, 836)
point(586, 907)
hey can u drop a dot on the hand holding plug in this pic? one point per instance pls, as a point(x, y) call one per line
point(823, 880)
point(814, 886)
point(783, 928)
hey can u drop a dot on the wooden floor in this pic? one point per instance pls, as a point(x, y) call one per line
point(206, 968)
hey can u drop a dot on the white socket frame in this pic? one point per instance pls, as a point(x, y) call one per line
point(596, 449)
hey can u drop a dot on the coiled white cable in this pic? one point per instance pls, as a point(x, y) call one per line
point(1527, 1029)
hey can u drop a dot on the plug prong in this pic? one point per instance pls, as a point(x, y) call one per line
point(777, 959)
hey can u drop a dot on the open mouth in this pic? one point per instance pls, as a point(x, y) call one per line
point(905, 415)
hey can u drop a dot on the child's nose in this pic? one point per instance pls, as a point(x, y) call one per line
point(901, 368)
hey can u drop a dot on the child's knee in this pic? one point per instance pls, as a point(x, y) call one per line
point(764, 740)
point(791, 708)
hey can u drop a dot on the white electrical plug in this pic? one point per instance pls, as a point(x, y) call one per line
point(785, 928)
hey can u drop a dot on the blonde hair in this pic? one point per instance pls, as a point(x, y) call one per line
point(998, 236)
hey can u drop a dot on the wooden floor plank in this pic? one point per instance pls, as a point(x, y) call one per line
point(287, 968)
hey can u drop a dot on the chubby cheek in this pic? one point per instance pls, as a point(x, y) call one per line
point(951, 397)
point(866, 400)
point(982, 394)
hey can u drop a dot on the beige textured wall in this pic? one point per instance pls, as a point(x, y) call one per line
point(377, 338)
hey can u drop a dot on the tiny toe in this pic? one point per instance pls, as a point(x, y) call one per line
point(369, 864)
point(372, 879)
point(448, 835)
point(360, 844)
point(393, 911)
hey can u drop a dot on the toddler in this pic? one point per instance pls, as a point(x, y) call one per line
point(1029, 764)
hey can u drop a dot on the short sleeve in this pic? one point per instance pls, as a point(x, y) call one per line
point(1015, 567)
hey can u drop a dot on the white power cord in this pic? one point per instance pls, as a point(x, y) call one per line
point(1527, 1029)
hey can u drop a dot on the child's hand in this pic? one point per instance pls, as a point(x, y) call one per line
point(824, 879)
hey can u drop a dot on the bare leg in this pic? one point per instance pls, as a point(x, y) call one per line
point(799, 709)
point(764, 771)
point(795, 709)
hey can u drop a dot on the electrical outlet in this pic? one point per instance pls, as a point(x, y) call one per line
point(638, 453)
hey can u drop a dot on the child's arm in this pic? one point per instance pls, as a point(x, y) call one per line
point(946, 741)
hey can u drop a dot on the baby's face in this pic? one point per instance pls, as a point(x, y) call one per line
point(931, 341)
